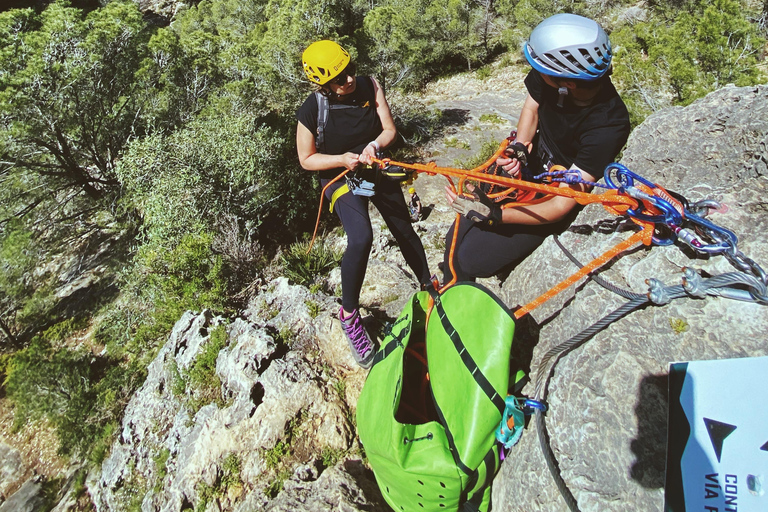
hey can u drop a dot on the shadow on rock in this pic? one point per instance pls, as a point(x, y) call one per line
point(367, 482)
point(650, 446)
point(527, 333)
point(426, 211)
point(455, 117)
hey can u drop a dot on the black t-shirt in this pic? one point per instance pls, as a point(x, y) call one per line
point(589, 136)
point(347, 129)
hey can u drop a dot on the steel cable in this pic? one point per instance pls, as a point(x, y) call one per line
point(661, 296)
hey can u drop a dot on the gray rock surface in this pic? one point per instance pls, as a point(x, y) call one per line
point(608, 399)
point(11, 469)
point(29, 498)
point(281, 408)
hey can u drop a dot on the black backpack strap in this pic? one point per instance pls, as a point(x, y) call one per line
point(474, 370)
point(323, 112)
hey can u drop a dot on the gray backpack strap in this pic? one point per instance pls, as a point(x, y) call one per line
point(322, 120)
point(323, 111)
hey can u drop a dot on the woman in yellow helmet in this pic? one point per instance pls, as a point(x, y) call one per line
point(355, 125)
point(414, 205)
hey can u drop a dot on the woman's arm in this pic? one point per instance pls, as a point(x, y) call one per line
point(526, 130)
point(311, 160)
point(388, 132)
point(547, 212)
point(529, 120)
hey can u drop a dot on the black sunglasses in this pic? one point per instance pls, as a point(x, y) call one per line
point(348, 71)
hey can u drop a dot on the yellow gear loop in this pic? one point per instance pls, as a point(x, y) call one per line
point(337, 194)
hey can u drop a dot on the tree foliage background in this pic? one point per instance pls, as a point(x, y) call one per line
point(148, 169)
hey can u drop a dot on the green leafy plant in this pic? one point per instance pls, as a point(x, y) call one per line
point(228, 482)
point(313, 308)
point(276, 485)
point(340, 385)
point(492, 118)
point(303, 267)
point(161, 470)
point(484, 72)
point(679, 325)
point(486, 150)
point(453, 142)
point(275, 455)
point(330, 456)
point(204, 383)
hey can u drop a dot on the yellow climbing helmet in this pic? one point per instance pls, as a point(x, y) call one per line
point(411, 190)
point(324, 60)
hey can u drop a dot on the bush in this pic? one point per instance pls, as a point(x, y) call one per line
point(204, 383)
point(220, 166)
point(81, 395)
point(26, 292)
point(158, 289)
point(304, 267)
point(487, 149)
point(676, 57)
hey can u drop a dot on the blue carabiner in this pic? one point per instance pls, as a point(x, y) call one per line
point(530, 406)
point(669, 216)
point(730, 242)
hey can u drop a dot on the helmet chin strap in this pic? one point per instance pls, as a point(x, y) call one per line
point(563, 91)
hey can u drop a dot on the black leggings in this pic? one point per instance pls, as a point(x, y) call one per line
point(484, 252)
point(353, 213)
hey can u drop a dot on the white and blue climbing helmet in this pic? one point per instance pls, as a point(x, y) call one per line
point(569, 46)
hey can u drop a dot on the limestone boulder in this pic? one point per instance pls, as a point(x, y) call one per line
point(608, 399)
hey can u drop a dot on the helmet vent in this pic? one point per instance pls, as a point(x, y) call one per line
point(552, 62)
point(588, 57)
point(570, 58)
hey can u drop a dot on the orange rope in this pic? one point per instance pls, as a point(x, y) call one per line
point(611, 200)
point(641, 236)
point(476, 174)
point(320, 208)
point(450, 255)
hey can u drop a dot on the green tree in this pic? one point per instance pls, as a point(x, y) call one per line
point(677, 56)
point(456, 28)
point(216, 167)
point(67, 97)
point(727, 44)
point(292, 26)
point(395, 41)
point(23, 292)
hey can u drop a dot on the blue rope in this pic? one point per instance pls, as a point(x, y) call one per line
point(569, 176)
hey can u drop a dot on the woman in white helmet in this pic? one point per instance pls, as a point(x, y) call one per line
point(353, 124)
point(572, 117)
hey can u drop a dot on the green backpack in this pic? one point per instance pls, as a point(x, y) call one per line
point(429, 407)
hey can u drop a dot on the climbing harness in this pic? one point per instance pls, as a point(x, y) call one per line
point(359, 186)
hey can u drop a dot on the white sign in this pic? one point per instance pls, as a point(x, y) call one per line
point(717, 443)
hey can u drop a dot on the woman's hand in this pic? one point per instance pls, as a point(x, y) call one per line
point(512, 165)
point(368, 154)
point(477, 207)
point(350, 161)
